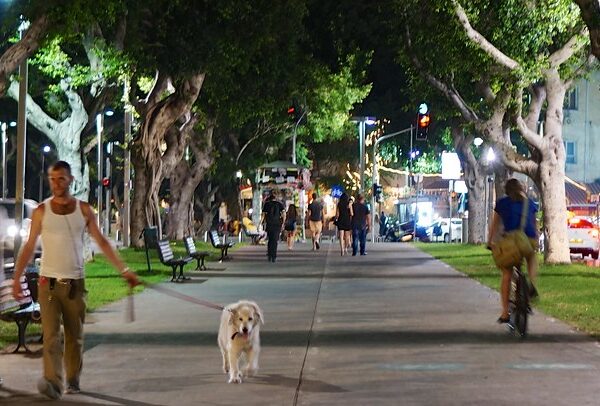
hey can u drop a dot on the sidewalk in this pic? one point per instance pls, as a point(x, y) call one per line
point(396, 327)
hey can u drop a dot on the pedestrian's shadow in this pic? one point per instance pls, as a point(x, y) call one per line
point(17, 397)
point(308, 385)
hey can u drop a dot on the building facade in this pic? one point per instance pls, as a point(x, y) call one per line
point(581, 130)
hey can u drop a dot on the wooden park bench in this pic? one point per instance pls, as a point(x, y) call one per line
point(199, 256)
point(165, 253)
point(216, 242)
point(24, 311)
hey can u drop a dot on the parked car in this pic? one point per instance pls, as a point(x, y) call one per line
point(440, 229)
point(7, 210)
point(584, 237)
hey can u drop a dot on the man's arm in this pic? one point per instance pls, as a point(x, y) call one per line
point(106, 248)
point(27, 250)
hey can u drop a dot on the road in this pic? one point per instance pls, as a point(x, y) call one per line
point(395, 327)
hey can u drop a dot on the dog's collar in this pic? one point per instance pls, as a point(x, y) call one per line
point(235, 334)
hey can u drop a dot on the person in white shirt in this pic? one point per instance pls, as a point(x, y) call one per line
point(61, 221)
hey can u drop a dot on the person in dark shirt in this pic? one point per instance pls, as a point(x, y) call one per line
point(360, 225)
point(343, 221)
point(273, 216)
point(315, 220)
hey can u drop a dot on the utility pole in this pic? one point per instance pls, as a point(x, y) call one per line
point(125, 221)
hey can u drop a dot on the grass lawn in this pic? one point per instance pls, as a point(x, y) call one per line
point(567, 292)
point(105, 285)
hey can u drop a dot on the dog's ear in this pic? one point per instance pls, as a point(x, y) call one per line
point(258, 313)
point(232, 315)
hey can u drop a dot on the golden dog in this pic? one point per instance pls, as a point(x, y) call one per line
point(239, 339)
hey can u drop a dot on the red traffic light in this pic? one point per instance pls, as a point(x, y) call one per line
point(106, 182)
point(291, 110)
point(424, 120)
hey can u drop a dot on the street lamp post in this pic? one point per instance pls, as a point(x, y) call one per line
point(490, 158)
point(21, 141)
point(362, 123)
point(45, 150)
point(99, 129)
point(3, 126)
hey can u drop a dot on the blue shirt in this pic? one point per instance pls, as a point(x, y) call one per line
point(510, 212)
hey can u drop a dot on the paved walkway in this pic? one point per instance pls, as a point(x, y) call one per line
point(393, 328)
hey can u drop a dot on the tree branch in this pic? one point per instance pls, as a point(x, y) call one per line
point(35, 115)
point(18, 52)
point(573, 45)
point(481, 41)
point(450, 93)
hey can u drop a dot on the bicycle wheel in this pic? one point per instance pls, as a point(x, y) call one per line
point(522, 305)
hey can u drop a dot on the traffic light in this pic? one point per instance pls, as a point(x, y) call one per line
point(296, 113)
point(106, 182)
point(377, 191)
point(423, 120)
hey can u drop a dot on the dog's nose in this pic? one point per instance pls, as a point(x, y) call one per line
point(245, 329)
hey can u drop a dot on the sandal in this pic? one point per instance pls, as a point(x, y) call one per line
point(502, 320)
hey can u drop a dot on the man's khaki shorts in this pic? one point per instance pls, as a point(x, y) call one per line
point(315, 226)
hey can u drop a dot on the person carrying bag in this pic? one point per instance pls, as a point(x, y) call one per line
point(516, 212)
point(514, 245)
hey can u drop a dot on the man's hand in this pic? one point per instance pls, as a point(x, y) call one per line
point(131, 278)
point(17, 291)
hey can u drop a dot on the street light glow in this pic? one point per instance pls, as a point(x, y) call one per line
point(423, 108)
point(477, 141)
point(238, 174)
point(491, 156)
point(46, 149)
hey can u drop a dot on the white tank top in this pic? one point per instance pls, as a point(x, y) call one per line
point(62, 243)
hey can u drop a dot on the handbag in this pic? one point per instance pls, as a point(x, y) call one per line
point(514, 245)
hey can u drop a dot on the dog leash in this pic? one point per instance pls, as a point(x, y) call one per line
point(168, 292)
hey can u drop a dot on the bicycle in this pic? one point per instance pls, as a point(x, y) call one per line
point(519, 302)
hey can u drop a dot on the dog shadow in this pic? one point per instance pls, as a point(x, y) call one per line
point(308, 385)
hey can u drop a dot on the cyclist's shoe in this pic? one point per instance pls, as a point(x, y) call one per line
point(533, 293)
point(502, 320)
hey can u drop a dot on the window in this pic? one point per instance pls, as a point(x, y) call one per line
point(571, 99)
point(570, 152)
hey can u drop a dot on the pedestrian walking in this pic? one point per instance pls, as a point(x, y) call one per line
point(291, 217)
point(315, 221)
point(61, 221)
point(382, 224)
point(343, 221)
point(360, 225)
point(273, 215)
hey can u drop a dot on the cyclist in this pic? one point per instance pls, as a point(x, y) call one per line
point(508, 214)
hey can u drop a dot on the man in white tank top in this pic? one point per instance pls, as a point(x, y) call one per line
point(61, 221)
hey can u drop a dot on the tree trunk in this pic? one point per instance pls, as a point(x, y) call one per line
point(158, 116)
point(141, 200)
point(475, 178)
point(551, 175)
point(184, 181)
